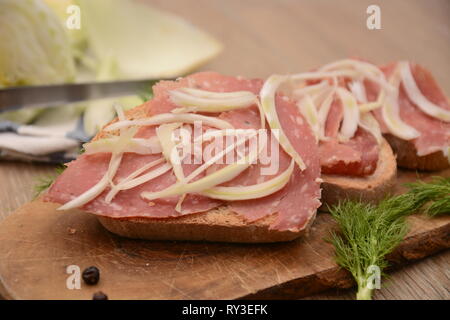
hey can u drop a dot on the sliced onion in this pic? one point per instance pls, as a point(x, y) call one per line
point(391, 113)
point(252, 192)
point(170, 117)
point(351, 114)
point(134, 145)
point(309, 111)
point(413, 92)
point(267, 95)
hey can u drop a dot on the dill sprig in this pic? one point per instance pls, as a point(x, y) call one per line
point(43, 183)
point(369, 232)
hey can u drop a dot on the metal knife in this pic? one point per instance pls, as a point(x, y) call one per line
point(52, 95)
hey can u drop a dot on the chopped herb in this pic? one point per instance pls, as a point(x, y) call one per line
point(369, 232)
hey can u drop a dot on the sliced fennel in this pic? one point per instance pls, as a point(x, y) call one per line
point(365, 69)
point(135, 145)
point(252, 192)
point(34, 48)
point(133, 180)
point(369, 106)
point(114, 164)
point(209, 102)
point(322, 114)
point(144, 41)
point(391, 113)
point(358, 90)
point(170, 117)
point(267, 95)
point(368, 122)
point(309, 111)
point(165, 134)
point(218, 177)
point(351, 114)
point(418, 98)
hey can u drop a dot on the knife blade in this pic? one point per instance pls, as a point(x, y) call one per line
point(52, 95)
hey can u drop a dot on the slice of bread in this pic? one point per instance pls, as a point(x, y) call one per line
point(220, 224)
point(407, 156)
point(372, 188)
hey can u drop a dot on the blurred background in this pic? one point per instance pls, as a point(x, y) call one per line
point(131, 39)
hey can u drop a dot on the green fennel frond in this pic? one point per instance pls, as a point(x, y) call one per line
point(43, 183)
point(367, 232)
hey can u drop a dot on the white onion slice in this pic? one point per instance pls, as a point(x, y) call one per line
point(170, 117)
point(251, 192)
point(351, 114)
point(267, 95)
point(416, 96)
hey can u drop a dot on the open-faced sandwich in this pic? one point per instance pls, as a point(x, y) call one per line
point(185, 165)
point(221, 158)
point(415, 117)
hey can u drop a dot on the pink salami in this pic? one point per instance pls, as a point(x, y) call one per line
point(434, 134)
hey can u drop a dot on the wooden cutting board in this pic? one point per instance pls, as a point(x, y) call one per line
point(37, 243)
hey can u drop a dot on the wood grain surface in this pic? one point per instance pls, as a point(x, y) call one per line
point(38, 243)
point(266, 36)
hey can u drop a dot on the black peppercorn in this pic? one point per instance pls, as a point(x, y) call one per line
point(91, 275)
point(99, 296)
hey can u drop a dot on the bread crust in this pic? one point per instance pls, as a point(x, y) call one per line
point(407, 156)
point(372, 188)
point(217, 225)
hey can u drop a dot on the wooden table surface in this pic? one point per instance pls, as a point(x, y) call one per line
point(284, 36)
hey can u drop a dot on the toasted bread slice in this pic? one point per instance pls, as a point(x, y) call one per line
point(372, 188)
point(220, 224)
point(407, 156)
